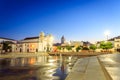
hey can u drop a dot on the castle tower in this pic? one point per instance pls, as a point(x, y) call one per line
point(62, 40)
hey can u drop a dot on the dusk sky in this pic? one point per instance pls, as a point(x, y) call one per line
point(81, 20)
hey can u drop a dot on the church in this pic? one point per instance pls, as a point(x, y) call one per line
point(41, 43)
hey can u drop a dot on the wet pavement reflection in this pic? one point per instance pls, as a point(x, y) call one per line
point(36, 68)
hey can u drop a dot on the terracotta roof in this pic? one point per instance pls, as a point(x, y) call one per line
point(27, 38)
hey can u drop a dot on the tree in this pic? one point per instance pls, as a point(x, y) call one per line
point(59, 47)
point(69, 47)
point(78, 48)
point(85, 48)
point(6, 46)
point(93, 47)
point(106, 45)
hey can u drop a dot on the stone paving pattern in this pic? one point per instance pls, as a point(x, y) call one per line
point(111, 63)
point(87, 69)
point(102, 67)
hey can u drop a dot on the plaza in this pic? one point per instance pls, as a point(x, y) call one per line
point(59, 40)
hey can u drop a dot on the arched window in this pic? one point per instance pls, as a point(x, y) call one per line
point(20, 50)
point(118, 45)
point(36, 50)
point(27, 50)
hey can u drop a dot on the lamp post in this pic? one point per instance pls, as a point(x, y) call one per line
point(107, 33)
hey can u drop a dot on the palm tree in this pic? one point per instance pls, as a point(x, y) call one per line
point(6, 46)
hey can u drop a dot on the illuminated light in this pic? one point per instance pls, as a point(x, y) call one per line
point(32, 46)
point(70, 58)
point(107, 33)
point(51, 64)
point(32, 61)
point(51, 60)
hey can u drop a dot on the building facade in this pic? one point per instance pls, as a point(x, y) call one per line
point(7, 39)
point(67, 46)
point(41, 43)
point(1, 46)
point(116, 43)
point(6, 42)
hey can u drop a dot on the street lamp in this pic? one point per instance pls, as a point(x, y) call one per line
point(107, 33)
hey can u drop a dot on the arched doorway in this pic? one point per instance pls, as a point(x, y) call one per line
point(118, 49)
point(36, 50)
point(27, 50)
point(20, 50)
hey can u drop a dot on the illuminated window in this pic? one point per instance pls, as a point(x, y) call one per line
point(32, 46)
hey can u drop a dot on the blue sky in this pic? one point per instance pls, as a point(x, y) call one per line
point(81, 20)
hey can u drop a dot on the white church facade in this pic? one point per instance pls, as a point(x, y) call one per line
point(41, 43)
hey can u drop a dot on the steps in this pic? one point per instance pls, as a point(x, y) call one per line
point(111, 63)
point(87, 69)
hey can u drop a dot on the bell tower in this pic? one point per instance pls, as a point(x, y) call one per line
point(41, 37)
point(41, 42)
point(62, 40)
